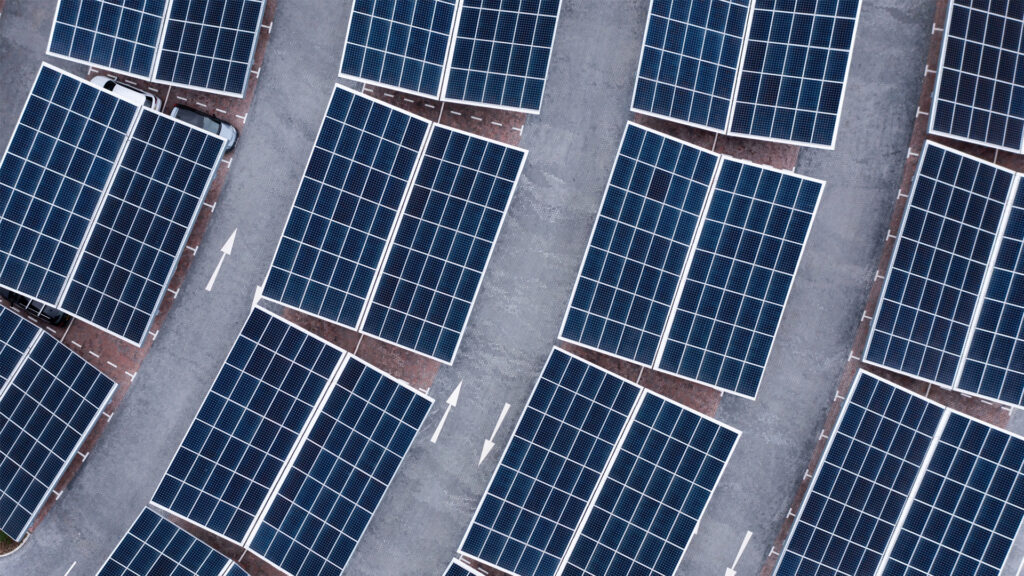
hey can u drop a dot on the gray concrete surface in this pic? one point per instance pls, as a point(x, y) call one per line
point(572, 145)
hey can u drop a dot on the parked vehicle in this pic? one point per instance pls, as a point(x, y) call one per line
point(48, 313)
point(206, 122)
point(129, 93)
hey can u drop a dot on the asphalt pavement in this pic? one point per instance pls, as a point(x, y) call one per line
point(572, 145)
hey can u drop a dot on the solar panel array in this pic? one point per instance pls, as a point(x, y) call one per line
point(64, 149)
point(766, 69)
point(293, 448)
point(907, 486)
point(691, 261)
point(952, 302)
point(343, 468)
point(348, 201)
point(655, 493)
point(248, 424)
point(204, 45)
point(97, 200)
point(444, 240)
point(691, 60)
point(393, 225)
point(210, 44)
point(488, 52)
point(978, 92)
point(400, 44)
point(569, 495)
point(154, 546)
point(655, 197)
point(120, 36)
point(737, 284)
point(501, 51)
point(143, 226)
point(50, 399)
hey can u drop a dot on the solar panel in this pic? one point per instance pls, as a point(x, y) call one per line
point(630, 273)
point(119, 35)
point(210, 44)
point(346, 207)
point(969, 506)
point(248, 425)
point(16, 336)
point(342, 471)
point(457, 568)
point(690, 60)
point(794, 70)
point(862, 483)
point(551, 468)
point(736, 287)
point(993, 364)
point(978, 93)
point(399, 43)
point(47, 409)
point(938, 266)
point(655, 494)
point(143, 225)
point(445, 236)
point(501, 52)
point(156, 547)
point(57, 164)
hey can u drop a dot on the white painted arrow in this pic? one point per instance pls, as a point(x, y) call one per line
point(453, 400)
point(746, 540)
point(489, 443)
point(224, 253)
point(257, 296)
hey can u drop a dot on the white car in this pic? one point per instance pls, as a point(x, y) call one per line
point(209, 123)
point(129, 93)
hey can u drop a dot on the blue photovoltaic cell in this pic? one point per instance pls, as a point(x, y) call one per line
point(647, 222)
point(247, 426)
point(209, 44)
point(994, 364)
point(969, 505)
point(444, 241)
point(156, 547)
point(501, 52)
point(49, 407)
point(862, 483)
point(736, 287)
point(794, 70)
point(341, 473)
point(143, 226)
point(117, 35)
point(550, 470)
point(690, 59)
point(456, 568)
point(400, 43)
point(657, 489)
point(59, 160)
point(937, 269)
point(980, 94)
point(16, 334)
point(346, 207)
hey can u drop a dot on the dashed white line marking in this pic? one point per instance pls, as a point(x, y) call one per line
point(75, 563)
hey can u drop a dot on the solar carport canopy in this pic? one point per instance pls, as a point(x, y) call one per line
point(206, 45)
point(97, 201)
point(953, 300)
point(601, 478)
point(293, 448)
point(50, 399)
point(766, 69)
point(907, 486)
point(691, 261)
point(393, 225)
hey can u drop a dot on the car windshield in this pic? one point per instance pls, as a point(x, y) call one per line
point(196, 119)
